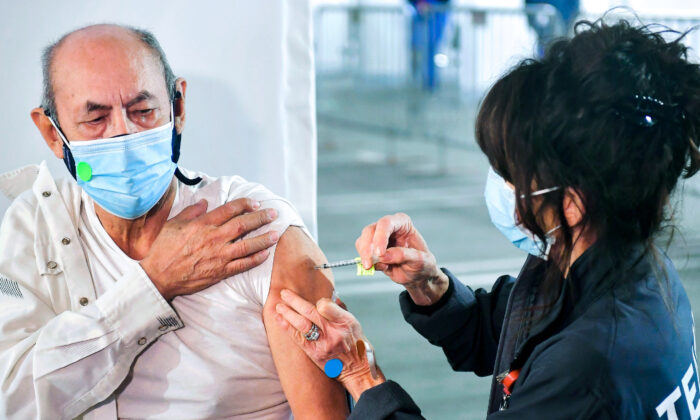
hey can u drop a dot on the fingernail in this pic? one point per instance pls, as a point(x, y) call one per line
point(256, 205)
point(274, 236)
point(272, 213)
point(278, 307)
point(284, 293)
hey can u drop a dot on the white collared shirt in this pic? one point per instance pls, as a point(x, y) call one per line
point(75, 313)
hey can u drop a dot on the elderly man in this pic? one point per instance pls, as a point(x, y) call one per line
point(121, 296)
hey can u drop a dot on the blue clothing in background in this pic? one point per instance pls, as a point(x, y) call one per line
point(549, 30)
point(567, 8)
point(427, 29)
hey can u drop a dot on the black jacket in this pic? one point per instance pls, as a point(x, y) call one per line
point(601, 349)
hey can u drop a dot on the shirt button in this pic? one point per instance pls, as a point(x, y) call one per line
point(83, 301)
point(65, 241)
point(51, 265)
point(46, 193)
point(142, 341)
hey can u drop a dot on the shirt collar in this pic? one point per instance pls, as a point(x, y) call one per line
point(588, 274)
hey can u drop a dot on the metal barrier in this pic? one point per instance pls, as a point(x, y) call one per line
point(387, 44)
point(406, 74)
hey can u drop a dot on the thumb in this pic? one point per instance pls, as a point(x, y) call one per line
point(332, 312)
point(398, 256)
point(194, 211)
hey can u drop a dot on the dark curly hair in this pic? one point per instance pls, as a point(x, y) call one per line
point(612, 113)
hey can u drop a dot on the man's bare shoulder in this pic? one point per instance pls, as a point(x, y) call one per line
point(295, 258)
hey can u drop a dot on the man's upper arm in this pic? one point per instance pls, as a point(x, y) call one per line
point(293, 268)
point(310, 393)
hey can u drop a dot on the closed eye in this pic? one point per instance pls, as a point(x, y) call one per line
point(95, 121)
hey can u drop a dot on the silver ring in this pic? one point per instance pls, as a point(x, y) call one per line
point(313, 333)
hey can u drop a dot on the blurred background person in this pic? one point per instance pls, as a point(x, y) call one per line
point(429, 19)
point(549, 26)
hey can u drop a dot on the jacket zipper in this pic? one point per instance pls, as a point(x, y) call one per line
point(499, 352)
point(507, 379)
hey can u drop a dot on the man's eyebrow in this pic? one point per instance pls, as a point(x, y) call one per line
point(92, 106)
point(142, 96)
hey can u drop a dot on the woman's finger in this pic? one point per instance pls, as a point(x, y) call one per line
point(306, 346)
point(386, 227)
point(282, 322)
point(301, 306)
point(364, 245)
point(381, 266)
point(397, 255)
point(297, 321)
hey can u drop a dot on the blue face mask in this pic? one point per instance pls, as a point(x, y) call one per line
point(125, 175)
point(500, 201)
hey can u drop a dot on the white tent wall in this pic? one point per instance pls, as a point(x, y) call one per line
point(250, 95)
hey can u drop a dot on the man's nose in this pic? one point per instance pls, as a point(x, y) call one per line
point(120, 124)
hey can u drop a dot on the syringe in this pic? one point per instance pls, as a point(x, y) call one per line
point(338, 264)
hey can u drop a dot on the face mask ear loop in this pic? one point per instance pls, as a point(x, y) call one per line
point(58, 130)
point(67, 154)
point(176, 137)
point(176, 148)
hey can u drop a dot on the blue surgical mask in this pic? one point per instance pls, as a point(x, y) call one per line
point(125, 175)
point(500, 201)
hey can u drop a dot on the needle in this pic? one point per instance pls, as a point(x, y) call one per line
point(337, 264)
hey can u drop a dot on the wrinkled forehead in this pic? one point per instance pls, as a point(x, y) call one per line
point(104, 65)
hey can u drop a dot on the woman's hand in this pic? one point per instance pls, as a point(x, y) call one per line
point(340, 338)
point(396, 248)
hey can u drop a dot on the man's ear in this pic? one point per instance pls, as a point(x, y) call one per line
point(48, 131)
point(573, 207)
point(179, 104)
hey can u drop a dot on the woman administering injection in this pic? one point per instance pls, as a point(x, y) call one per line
point(586, 147)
